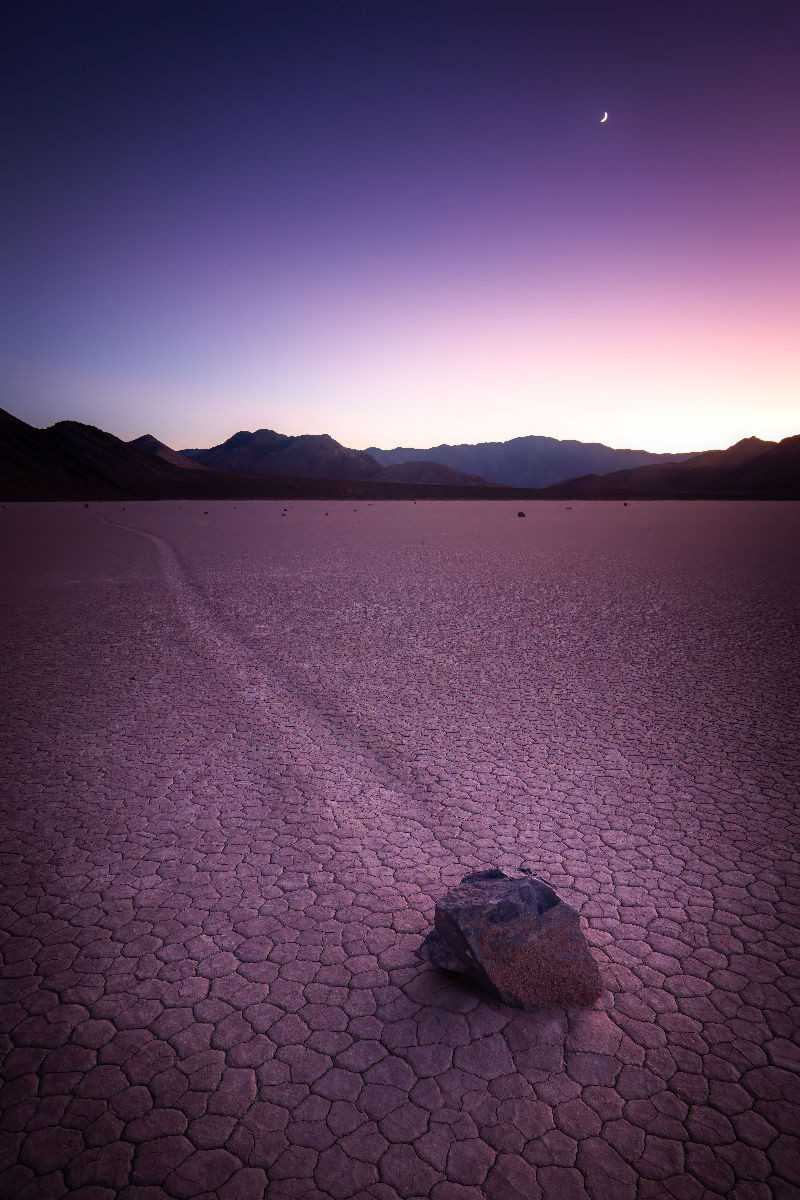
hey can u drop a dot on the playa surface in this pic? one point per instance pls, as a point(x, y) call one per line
point(249, 749)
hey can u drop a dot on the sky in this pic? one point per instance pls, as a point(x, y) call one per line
point(402, 222)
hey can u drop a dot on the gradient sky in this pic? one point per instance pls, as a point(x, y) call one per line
point(402, 222)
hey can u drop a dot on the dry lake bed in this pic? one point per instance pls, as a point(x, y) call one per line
point(248, 749)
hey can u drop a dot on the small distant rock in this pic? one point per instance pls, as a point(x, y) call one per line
point(520, 514)
point(515, 938)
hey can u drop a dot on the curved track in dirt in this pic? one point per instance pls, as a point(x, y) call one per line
point(248, 750)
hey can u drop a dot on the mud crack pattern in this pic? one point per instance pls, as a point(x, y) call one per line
point(246, 752)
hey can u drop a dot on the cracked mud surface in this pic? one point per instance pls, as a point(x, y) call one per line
point(247, 753)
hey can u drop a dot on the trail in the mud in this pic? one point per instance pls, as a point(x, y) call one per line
point(317, 755)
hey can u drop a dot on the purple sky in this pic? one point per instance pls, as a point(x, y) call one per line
point(403, 223)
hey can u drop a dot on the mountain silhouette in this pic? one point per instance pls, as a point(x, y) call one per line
point(79, 462)
point(72, 461)
point(318, 456)
point(151, 445)
point(751, 468)
point(530, 461)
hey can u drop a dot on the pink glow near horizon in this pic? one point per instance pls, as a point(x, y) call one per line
point(635, 363)
point(427, 237)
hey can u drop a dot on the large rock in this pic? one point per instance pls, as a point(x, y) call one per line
point(515, 938)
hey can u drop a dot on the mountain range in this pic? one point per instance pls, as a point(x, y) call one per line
point(522, 462)
point(318, 456)
point(74, 461)
point(70, 460)
point(751, 468)
point(528, 461)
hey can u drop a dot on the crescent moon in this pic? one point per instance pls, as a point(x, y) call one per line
point(604, 118)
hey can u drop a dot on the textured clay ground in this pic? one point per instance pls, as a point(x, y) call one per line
point(248, 751)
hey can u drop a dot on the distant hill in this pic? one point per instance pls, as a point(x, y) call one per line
point(318, 456)
point(151, 445)
point(266, 452)
point(71, 460)
point(749, 469)
point(428, 472)
point(527, 461)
